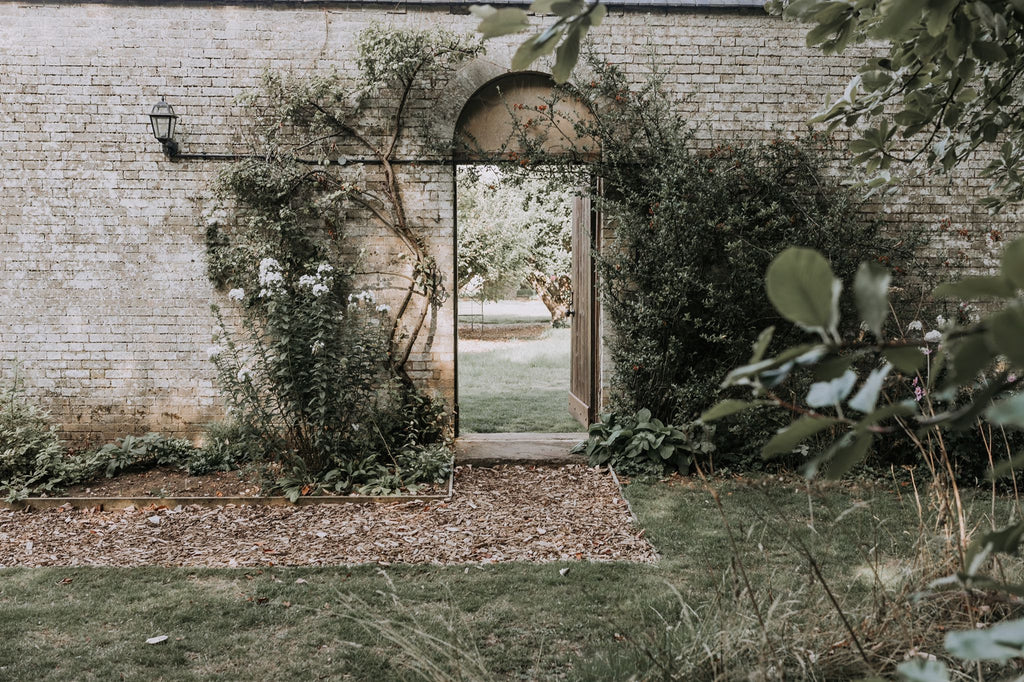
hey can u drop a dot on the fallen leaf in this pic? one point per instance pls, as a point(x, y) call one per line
point(159, 639)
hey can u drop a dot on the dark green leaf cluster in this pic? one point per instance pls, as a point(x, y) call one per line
point(948, 83)
point(641, 445)
point(695, 230)
point(31, 453)
point(564, 37)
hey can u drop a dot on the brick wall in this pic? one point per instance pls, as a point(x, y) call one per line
point(104, 300)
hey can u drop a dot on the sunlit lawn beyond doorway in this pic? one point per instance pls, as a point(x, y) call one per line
point(513, 370)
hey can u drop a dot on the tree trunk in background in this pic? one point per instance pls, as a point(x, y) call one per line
point(555, 292)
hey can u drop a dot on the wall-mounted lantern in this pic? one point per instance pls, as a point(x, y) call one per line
point(163, 120)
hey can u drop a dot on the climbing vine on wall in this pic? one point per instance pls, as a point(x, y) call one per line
point(316, 212)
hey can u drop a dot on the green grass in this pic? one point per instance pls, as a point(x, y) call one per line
point(518, 621)
point(516, 387)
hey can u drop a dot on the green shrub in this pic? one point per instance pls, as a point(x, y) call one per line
point(641, 445)
point(30, 449)
point(224, 449)
point(695, 230)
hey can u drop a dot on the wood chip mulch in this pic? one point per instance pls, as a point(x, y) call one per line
point(508, 513)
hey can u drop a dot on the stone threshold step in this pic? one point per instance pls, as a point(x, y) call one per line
point(490, 449)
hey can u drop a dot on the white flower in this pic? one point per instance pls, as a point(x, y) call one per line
point(934, 336)
point(307, 281)
point(940, 321)
point(236, 294)
point(244, 375)
point(383, 308)
point(324, 269)
point(915, 326)
point(214, 352)
point(319, 289)
point(270, 273)
point(362, 297)
point(317, 347)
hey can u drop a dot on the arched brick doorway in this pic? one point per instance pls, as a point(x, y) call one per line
point(486, 132)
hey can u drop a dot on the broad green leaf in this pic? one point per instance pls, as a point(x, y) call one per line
point(1007, 467)
point(788, 438)
point(1007, 412)
point(566, 8)
point(999, 642)
point(1006, 331)
point(1003, 541)
point(597, 14)
point(773, 377)
point(499, 22)
point(829, 393)
point(971, 355)
point(907, 359)
point(741, 375)
point(567, 54)
point(834, 367)
point(904, 408)
point(937, 16)
point(867, 397)
point(897, 17)
point(988, 51)
point(976, 287)
point(848, 451)
point(871, 290)
point(1013, 263)
point(542, 6)
point(801, 286)
point(761, 345)
point(921, 670)
point(729, 407)
point(536, 47)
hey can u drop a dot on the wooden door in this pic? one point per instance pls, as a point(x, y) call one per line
point(583, 376)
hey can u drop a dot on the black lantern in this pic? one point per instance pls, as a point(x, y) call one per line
point(163, 119)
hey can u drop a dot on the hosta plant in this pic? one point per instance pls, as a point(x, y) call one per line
point(641, 444)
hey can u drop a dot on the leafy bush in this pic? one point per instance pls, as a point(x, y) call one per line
point(30, 449)
point(314, 371)
point(224, 449)
point(697, 221)
point(637, 445)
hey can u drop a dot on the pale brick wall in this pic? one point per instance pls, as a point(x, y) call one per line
point(104, 299)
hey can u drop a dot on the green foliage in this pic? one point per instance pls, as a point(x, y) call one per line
point(313, 369)
point(640, 444)
point(564, 37)
point(945, 85)
point(136, 453)
point(30, 450)
point(695, 231)
point(514, 232)
point(971, 375)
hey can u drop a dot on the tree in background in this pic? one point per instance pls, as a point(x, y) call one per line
point(515, 232)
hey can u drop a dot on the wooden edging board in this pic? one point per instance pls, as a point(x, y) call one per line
point(111, 503)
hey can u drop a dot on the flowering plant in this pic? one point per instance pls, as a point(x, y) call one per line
point(311, 382)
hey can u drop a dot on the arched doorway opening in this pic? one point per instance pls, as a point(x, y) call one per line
point(503, 122)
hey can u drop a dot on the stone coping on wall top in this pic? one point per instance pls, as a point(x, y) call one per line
point(400, 5)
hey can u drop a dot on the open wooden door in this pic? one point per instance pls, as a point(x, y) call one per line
point(584, 381)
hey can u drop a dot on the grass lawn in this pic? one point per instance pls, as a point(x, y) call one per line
point(515, 386)
point(690, 611)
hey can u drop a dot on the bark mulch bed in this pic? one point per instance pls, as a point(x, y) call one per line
point(508, 513)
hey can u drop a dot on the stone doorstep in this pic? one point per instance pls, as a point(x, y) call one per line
point(544, 449)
